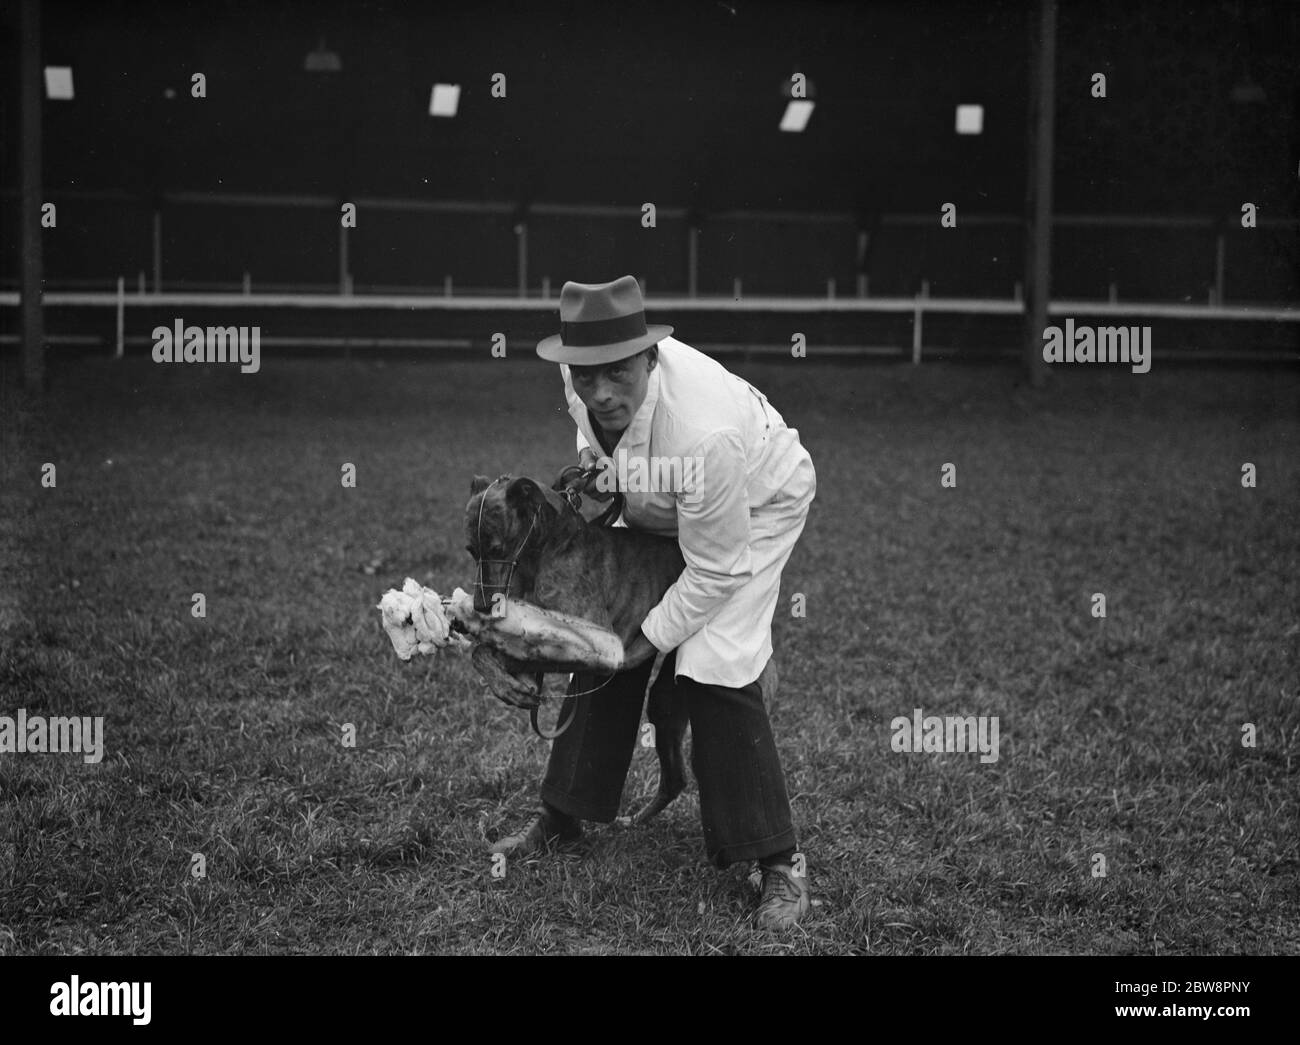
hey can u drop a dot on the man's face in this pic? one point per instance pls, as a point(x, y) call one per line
point(613, 392)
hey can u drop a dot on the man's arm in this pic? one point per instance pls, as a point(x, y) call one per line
point(713, 531)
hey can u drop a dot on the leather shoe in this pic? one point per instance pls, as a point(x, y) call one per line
point(543, 832)
point(784, 900)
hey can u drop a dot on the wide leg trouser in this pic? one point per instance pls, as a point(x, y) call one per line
point(743, 801)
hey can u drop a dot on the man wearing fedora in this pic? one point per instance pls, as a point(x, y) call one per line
point(635, 392)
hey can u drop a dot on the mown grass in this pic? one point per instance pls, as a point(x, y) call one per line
point(1119, 736)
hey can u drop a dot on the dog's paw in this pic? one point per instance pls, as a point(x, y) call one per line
point(520, 691)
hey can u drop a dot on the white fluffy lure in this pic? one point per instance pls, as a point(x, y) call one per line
point(416, 620)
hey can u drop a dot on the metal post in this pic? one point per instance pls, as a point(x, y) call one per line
point(546, 287)
point(736, 288)
point(33, 320)
point(864, 242)
point(1112, 293)
point(1220, 258)
point(521, 263)
point(343, 259)
point(916, 321)
point(446, 285)
point(692, 259)
point(248, 283)
point(830, 288)
point(121, 319)
point(157, 250)
point(139, 283)
point(1038, 253)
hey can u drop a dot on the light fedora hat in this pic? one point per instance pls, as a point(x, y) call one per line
point(601, 323)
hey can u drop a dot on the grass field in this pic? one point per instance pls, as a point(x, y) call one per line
point(1120, 737)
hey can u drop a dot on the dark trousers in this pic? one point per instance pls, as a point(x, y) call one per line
point(743, 802)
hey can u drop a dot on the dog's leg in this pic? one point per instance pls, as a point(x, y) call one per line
point(522, 689)
point(667, 713)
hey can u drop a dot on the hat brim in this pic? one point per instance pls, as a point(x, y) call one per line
point(554, 350)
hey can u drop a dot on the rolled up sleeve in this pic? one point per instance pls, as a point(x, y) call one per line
point(713, 531)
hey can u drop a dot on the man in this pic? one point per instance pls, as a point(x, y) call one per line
point(644, 398)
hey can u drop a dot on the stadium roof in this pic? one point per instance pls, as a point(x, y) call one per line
point(679, 104)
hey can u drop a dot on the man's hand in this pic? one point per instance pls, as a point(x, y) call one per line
point(588, 460)
point(639, 651)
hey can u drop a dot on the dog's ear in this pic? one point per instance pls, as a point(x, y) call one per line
point(479, 484)
point(524, 495)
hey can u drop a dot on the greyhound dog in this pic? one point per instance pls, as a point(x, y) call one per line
point(530, 544)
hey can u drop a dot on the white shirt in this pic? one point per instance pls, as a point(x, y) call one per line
point(753, 486)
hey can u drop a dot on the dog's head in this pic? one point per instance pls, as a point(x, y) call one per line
point(506, 522)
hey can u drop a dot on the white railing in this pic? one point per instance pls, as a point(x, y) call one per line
point(917, 305)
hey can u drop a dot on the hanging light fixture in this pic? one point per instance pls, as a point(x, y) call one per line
point(798, 91)
point(1247, 91)
point(58, 82)
point(322, 60)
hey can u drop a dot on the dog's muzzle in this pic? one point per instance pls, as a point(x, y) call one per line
point(485, 590)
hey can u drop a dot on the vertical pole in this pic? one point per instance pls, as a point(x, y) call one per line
point(157, 250)
point(736, 288)
point(1220, 259)
point(33, 320)
point(917, 313)
point(692, 259)
point(446, 285)
point(343, 259)
point(863, 242)
point(248, 283)
point(546, 287)
point(1038, 246)
point(830, 288)
point(521, 261)
point(121, 318)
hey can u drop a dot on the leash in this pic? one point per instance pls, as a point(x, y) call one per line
point(572, 479)
point(573, 710)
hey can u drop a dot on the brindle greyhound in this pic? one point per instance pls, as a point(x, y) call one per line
point(530, 544)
